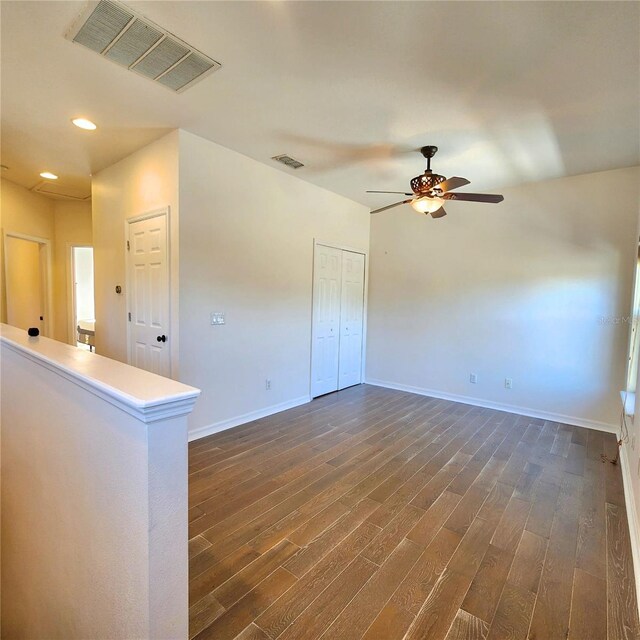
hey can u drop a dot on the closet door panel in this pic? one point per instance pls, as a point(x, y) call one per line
point(327, 289)
point(351, 319)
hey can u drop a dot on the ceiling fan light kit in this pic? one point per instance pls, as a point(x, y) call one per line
point(430, 190)
point(426, 204)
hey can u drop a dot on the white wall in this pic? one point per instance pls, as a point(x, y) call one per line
point(72, 224)
point(246, 249)
point(94, 495)
point(83, 276)
point(513, 290)
point(144, 181)
point(22, 211)
point(63, 223)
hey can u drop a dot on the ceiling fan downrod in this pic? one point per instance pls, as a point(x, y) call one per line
point(428, 152)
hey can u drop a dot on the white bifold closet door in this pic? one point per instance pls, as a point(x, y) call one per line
point(338, 315)
point(351, 319)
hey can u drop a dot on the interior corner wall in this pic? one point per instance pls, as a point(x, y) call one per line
point(23, 211)
point(145, 181)
point(531, 289)
point(246, 249)
point(72, 226)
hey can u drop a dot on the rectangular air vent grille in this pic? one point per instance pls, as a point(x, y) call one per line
point(188, 70)
point(118, 33)
point(133, 43)
point(103, 26)
point(288, 160)
point(161, 58)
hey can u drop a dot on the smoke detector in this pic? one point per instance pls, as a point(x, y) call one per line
point(118, 33)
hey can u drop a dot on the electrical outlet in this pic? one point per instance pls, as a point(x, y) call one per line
point(473, 378)
point(217, 318)
point(267, 384)
point(508, 383)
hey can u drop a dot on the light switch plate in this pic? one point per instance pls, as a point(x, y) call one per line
point(217, 318)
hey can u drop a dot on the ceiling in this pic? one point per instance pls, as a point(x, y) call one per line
point(510, 92)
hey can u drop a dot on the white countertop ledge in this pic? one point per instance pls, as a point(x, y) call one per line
point(144, 395)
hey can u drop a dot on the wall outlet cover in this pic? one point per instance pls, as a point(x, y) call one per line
point(217, 318)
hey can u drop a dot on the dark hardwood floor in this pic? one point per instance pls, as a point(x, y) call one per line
point(382, 515)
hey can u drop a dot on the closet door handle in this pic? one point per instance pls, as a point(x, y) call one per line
point(162, 338)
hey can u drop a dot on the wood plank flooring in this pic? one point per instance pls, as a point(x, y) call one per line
point(377, 514)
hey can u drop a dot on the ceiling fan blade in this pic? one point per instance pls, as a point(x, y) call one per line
point(453, 183)
point(402, 193)
point(440, 213)
point(474, 197)
point(390, 206)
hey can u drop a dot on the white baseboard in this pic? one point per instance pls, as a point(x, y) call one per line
point(478, 402)
point(632, 516)
point(223, 425)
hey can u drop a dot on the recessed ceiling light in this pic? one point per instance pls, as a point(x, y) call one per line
point(48, 175)
point(83, 123)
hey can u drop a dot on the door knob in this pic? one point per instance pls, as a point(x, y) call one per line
point(162, 338)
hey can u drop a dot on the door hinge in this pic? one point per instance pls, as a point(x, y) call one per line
point(128, 246)
point(129, 314)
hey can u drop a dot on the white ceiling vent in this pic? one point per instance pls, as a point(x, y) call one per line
point(118, 33)
point(61, 191)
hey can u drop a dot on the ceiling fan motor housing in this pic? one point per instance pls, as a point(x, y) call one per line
point(423, 184)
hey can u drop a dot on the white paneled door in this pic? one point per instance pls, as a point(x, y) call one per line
point(25, 271)
point(149, 295)
point(327, 283)
point(351, 319)
point(338, 303)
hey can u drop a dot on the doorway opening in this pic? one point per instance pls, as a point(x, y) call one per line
point(83, 322)
point(28, 282)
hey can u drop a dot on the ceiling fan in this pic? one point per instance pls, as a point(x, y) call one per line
point(431, 190)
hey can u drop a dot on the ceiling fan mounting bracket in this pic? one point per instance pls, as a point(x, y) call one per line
point(429, 151)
